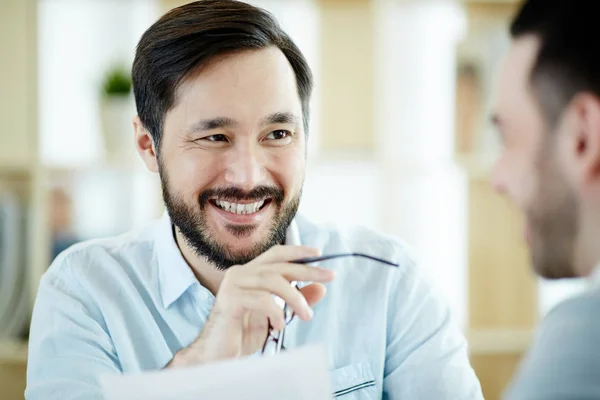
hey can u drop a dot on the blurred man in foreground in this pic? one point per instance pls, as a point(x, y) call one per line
point(548, 116)
point(222, 95)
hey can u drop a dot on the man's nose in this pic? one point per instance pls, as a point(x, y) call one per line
point(245, 167)
point(498, 179)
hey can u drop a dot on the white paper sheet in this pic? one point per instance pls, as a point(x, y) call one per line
point(296, 374)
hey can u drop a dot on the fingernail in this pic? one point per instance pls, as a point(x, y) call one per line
point(326, 272)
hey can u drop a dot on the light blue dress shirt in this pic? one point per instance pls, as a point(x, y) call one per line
point(129, 303)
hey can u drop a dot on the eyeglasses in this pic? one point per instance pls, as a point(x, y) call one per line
point(274, 341)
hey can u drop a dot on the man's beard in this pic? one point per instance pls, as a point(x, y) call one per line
point(191, 221)
point(553, 220)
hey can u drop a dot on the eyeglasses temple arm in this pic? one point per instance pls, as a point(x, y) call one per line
point(310, 260)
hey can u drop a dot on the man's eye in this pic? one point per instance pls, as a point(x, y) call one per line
point(278, 135)
point(216, 138)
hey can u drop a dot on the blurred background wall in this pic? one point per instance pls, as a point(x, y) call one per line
point(399, 142)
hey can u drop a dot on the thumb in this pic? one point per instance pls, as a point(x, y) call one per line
point(313, 293)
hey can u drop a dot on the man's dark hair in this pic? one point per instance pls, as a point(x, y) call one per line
point(189, 37)
point(568, 61)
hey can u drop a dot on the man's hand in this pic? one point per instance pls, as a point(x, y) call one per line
point(244, 306)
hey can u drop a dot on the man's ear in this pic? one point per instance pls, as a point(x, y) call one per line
point(581, 126)
point(145, 145)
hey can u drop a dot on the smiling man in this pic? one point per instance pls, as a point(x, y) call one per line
point(222, 95)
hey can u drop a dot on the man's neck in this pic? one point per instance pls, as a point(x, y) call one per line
point(587, 251)
point(207, 275)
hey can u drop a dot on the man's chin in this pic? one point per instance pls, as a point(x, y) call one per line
point(552, 266)
point(242, 250)
point(243, 244)
point(242, 232)
point(240, 255)
point(553, 273)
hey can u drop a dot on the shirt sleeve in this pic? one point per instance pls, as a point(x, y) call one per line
point(426, 356)
point(564, 360)
point(69, 348)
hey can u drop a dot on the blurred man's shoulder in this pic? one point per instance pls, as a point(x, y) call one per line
point(564, 357)
point(577, 307)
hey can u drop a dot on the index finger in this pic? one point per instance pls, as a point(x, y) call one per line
point(286, 253)
point(303, 273)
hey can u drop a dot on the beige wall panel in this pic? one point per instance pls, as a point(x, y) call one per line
point(166, 5)
point(12, 381)
point(486, 10)
point(502, 287)
point(18, 97)
point(346, 75)
point(495, 372)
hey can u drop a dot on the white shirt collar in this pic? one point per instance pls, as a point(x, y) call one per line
point(174, 274)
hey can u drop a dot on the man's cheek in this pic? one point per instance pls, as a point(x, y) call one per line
point(529, 188)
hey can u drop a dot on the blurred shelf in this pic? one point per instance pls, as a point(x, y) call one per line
point(16, 170)
point(499, 341)
point(511, 2)
point(92, 168)
point(13, 351)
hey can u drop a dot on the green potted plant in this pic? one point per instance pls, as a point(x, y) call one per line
point(117, 111)
point(117, 83)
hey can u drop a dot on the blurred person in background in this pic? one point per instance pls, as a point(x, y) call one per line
point(548, 115)
point(61, 221)
point(222, 96)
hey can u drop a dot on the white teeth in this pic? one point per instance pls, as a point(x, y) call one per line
point(259, 205)
point(237, 208)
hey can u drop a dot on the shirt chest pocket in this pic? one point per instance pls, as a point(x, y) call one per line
point(354, 382)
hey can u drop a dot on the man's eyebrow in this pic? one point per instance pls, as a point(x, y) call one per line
point(211, 124)
point(282, 118)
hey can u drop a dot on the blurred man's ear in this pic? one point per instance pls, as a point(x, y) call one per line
point(145, 145)
point(582, 120)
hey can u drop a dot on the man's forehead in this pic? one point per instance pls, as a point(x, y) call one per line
point(519, 62)
point(513, 85)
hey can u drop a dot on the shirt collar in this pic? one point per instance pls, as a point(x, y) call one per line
point(292, 236)
point(174, 274)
